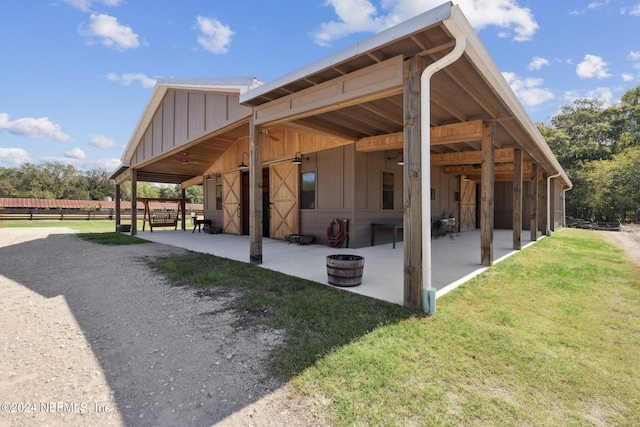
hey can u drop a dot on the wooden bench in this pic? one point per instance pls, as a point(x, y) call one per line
point(168, 218)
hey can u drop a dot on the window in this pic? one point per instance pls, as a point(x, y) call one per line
point(387, 190)
point(308, 190)
point(219, 197)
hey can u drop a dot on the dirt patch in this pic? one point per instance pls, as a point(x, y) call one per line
point(90, 335)
point(628, 238)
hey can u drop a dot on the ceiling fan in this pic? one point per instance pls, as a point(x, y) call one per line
point(184, 159)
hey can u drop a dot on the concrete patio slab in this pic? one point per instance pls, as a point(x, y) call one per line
point(454, 260)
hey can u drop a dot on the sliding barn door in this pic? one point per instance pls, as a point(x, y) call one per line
point(284, 183)
point(231, 203)
point(467, 205)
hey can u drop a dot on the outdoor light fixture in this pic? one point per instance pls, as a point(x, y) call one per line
point(401, 161)
point(466, 178)
point(242, 165)
point(209, 177)
point(297, 160)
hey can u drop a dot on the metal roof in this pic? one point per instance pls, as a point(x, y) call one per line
point(472, 88)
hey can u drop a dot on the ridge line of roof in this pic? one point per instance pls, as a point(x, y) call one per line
point(417, 23)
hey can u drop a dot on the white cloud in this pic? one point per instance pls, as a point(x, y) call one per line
point(627, 77)
point(537, 63)
point(127, 79)
point(592, 66)
point(635, 58)
point(76, 153)
point(113, 35)
point(528, 89)
point(633, 10)
point(85, 5)
point(362, 16)
point(355, 16)
point(591, 6)
point(214, 35)
point(33, 128)
point(101, 141)
point(602, 93)
point(85, 164)
point(14, 156)
point(597, 4)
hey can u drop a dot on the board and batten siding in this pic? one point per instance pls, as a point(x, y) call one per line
point(183, 117)
point(334, 190)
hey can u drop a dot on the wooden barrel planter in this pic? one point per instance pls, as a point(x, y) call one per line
point(345, 270)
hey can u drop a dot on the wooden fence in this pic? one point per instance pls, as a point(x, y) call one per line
point(61, 215)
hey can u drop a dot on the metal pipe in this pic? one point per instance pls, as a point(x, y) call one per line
point(548, 232)
point(425, 160)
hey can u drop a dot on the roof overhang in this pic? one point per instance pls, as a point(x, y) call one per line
point(472, 88)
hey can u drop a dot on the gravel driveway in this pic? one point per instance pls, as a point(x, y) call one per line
point(91, 336)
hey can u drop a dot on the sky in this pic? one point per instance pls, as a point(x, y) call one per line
point(76, 75)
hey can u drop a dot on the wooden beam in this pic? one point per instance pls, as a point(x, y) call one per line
point(517, 199)
point(118, 206)
point(196, 180)
point(392, 141)
point(134, 202)
point(501, 155)
point(183, 207)
point(255, 193)
point(486, 195)
point(503, 168)
point(457, 132)
point(440, 135)
point(412, 191)
point(533, 193)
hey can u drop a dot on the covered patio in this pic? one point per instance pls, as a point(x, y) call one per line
point(411, 126)
point(454, 260)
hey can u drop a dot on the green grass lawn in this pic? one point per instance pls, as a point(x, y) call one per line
point(550, 336)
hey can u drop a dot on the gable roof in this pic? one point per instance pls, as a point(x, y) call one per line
point(226, 85)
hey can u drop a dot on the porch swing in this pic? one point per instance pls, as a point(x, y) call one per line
point(165, 217)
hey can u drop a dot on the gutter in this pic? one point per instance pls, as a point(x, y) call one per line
point(429, 292)
point(548, 233)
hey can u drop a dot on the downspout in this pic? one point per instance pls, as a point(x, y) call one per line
point(549, 178)
point(428, 292)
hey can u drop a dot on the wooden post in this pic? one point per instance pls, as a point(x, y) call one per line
point(533, 192)
point(517, 199)
point(412, 193)
point(486, 195)
point(255, 193)
point(134, 202)
point(118, 206)
point(183, 207)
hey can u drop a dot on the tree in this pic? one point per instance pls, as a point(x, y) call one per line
point(584, 123)
point(624, 120)
point(99, 186)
